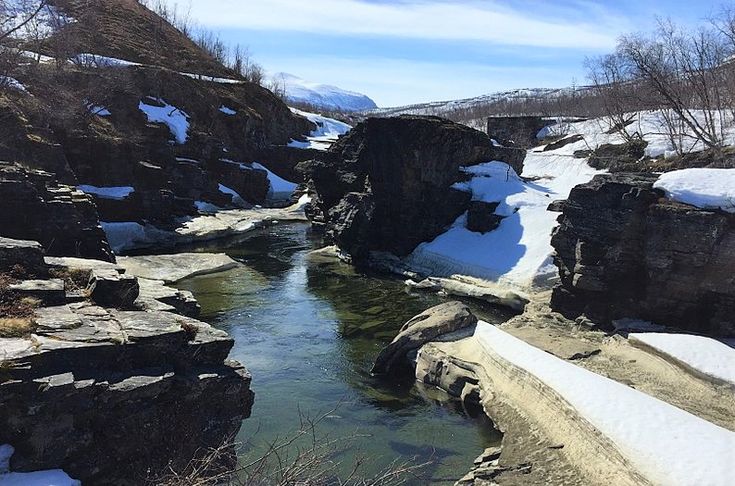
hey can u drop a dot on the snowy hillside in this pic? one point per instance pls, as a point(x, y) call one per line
point(440, 108)
point(321, 95)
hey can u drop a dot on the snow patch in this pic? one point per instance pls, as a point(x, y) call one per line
point(95, 60)
point(54, 477)
point(280, 188)
point(518, 254)
point(116, 193)
point(666, 444)
point(12, 83)
point(705, 355)
point(227, 111)
point(177, 120)
point(206, 208)
point(327, 132)
point(702, 188)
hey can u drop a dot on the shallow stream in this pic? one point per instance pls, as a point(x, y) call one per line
point(308, 329)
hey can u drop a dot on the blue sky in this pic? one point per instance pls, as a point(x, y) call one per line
point(407, 51)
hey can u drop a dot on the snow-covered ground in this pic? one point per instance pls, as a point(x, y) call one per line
point(95, 60)
point(55, 477)
point(327, 132)
point(176, 119)
point(12, 83)
point(702, 354)
point(116, 193)
point(703, 188)
point(665, 444)
point(321, 95)
point(649, 125)
point(518, 253)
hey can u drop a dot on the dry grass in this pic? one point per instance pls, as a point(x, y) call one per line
point(16, 327)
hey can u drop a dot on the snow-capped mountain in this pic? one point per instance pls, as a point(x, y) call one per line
point(322, 95)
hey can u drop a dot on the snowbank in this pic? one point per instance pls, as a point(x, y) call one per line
point(117, 193)
point(176, 119)
point(95, 60)
point(665, 444)
point(54, 477)
point(702, 354)
point(280, 188)
point(703, 188)
point(327, 132)
point(518, 253)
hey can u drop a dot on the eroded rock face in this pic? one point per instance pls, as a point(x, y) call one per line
point(425, 327)
point(114, 396)
point(33, 206)
point(624, 251)
point(386, 186)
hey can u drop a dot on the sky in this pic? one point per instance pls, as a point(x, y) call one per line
point(401, 52)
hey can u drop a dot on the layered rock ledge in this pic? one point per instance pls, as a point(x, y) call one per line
point(116, 395)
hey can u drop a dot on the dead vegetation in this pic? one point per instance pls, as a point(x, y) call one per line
point(307, 457)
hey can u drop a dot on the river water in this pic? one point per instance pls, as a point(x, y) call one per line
point(308, 329)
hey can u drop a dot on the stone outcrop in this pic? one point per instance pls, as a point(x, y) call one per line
point(516, 131)
point(34, 206)
point(423, 328)
point(117, 396)
point(624, 251)
point(387, 185)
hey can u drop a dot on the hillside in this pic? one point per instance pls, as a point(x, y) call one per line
point(125, 29)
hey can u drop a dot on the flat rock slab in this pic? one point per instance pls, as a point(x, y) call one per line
point(49, 292)
point(172, 268)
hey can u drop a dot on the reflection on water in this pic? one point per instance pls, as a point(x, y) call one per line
point(308, 330)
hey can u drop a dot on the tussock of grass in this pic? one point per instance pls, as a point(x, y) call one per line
point(16, 327)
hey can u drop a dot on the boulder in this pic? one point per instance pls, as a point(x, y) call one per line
point(22, 253)
point(425, 327)
point(516, 131)
point(623, 251)
point(481, 217)
point(110, 288)
point(387, 185)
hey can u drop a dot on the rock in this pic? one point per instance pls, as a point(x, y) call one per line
point(130, 393)
point(516, 131)
point(489, 454)
point(155, 296)
point(178, 266)
point(34, 206)
point(563, 142)
point(48, 292)
point(109, 288)
point(23, 253)
point(625, 252)
point(619, 157)
point(481, 217)
point(387, 185)
point(425, 327)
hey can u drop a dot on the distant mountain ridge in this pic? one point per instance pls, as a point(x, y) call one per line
point(325, 96)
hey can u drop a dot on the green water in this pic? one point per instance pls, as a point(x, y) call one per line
point(308, 330)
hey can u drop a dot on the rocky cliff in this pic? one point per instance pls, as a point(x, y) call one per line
point(623, 251)
point(387, 185)
point(109, 393)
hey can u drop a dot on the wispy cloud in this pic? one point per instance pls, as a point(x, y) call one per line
point(461, 20)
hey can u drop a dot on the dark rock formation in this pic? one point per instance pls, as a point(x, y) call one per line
point(109, 288)
point(386, 186)
point(423, 328)
point(118, 397)
point(33, 206)
point(563, 142)
point(623, 251)
point(27, 253)
point(620, 157)
point(516, 131)
point(481, 217)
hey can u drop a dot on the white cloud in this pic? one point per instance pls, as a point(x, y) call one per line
point(464, 20)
